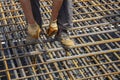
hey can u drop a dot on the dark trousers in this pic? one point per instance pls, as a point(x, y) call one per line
point(64, 17)
point(36, 11)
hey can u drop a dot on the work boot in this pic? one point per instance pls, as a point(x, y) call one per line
point(64, 39)
point(33, 30)
point(53, 28)
point(117, 27)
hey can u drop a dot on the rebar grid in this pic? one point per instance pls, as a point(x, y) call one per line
point(96, 55)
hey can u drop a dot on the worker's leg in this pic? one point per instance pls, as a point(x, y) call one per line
point(65, 22)
point(36, 11)
point(65, 15)
point(62, 12)
point(26, 6)
point(56, 8)
point(33, 27)
point(53, 28)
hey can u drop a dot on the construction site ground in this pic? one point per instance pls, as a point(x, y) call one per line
point(95, 56)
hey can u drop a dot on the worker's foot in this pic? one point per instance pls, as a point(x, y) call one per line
point(117, 27)
point(33, 30)
point(53, 28)
point(65, 40)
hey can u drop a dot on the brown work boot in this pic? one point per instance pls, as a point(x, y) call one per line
point(33, 30)
point(53, 28)
point(65, 40)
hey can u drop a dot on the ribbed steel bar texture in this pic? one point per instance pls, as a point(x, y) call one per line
point(95, 56)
